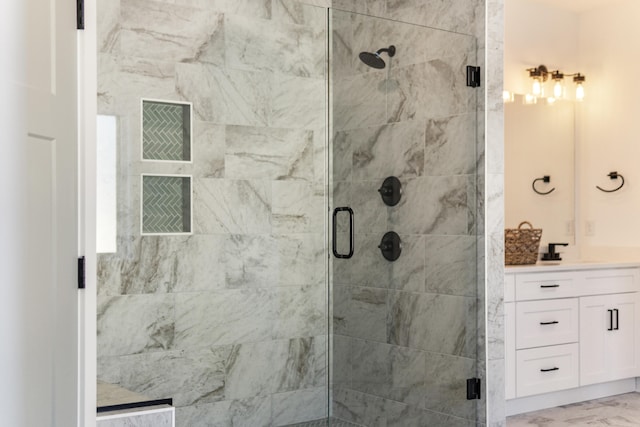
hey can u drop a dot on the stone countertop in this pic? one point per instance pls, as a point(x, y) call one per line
point(111, 394)
point(543, 266)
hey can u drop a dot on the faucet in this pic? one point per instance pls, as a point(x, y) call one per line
point(552, 255)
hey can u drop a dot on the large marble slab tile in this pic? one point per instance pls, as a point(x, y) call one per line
point(432, 205)
point(310, 13)
point(268, 153)
point(158, 30)
point(365, 313)
point(440, 323)
point(450, 145)
point(155, 418)
point(230, 206)
point(445, 385)
point(367, 7)
point(209, 147)
point(189, 378)
point(248, 412)
point(250, 261)
point(134, 324)
point(299, 406)
point(301, 311)
point(154, 264)
point(302, 259)
point(108, 27)
point(389, 371)
point(458, 15)
point(359, 101)
point(249, 8)
point(451, 265)
point(298, 207)
point(232, 316)
point(223, 96)
point(341, 362)
point(276, 46)
point(263, 368)
point(389, 150)
point(299, 102)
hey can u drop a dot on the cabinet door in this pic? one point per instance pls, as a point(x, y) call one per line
point(623, 341)
point(608, 343)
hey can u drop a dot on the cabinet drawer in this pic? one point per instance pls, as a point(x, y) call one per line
point(545, 285)
point(546, 369)
point(546, 322)
point(598, 282)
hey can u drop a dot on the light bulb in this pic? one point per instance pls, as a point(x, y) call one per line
point(558, 89)
point(507, 96)
point(579, 92)
point(537, 87)
point(551, 100)
point(530, 99)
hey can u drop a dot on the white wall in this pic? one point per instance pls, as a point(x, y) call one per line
point(537, 34)
point(610, 123)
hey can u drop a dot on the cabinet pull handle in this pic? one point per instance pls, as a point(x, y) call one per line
point(550, 369)
point(555, 322)
point(550, 286)
point(610, 328)
point(617, 320)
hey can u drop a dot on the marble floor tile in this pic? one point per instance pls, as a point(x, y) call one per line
point(621, 411)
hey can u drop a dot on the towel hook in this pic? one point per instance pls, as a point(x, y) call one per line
point(613, 175)
point(545, 178)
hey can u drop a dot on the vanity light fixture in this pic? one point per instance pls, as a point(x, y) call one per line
point(508, 97)
point(541, 74)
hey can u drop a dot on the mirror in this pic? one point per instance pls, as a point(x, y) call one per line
point(539, 142)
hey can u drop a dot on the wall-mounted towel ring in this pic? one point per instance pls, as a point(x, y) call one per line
point(613, 175)
point(545, 178)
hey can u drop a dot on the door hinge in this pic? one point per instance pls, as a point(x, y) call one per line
point(473, 76)
point(80, 14)
point(82, 273)
point(473, 388)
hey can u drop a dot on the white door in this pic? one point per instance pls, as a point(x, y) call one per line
point(38, 215)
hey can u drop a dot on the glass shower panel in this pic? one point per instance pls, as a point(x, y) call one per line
point(227, 317)
point(404, 131)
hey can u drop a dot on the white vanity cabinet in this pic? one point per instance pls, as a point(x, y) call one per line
point(609, 338)
point(570, 326)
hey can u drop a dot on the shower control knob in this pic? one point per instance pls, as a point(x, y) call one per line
point(391, 246)
point(391, 191)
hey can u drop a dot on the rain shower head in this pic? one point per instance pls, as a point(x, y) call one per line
point(374, 60)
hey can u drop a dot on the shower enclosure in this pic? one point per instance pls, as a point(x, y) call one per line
point(297, 216)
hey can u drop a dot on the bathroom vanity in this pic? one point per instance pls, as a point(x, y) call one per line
point(571, 333)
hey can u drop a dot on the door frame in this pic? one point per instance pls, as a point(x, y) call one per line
point(87, 113)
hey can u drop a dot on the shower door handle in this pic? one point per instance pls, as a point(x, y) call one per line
point(335, 232)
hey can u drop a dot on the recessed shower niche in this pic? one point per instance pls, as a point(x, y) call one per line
point(166, 131)
point(166, 204)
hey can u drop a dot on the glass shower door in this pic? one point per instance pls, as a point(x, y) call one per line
point(403, 190)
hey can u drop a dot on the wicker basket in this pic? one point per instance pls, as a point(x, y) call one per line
point(521, 244)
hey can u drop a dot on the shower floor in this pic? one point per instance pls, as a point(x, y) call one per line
point(324, 423)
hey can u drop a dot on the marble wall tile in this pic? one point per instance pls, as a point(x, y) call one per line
point(225, 317)
point(450, 145)
point(390, 150)
point(223, 96)
point(229, 206)
point(457, 15)
point(266, 153)
point(135, 323)
point(389, 371)
point(265, 45)
point(302, 259)
point(238, 412)
point(341, 305)
point(204, 372)
point(341, 366)
point(359, 101)
point(250, 261)
point(153, 264)
point(431, 322)
point(367, 7)
point(446, 385)
point(300, 406)
point(300, 312)
point(369, 268)
point(158, 30)
point(309, 13)
point(209, 150)
point(451, 265)
point(249, 8)
point(432, 205)
point(108, 31)
point(299, 102)
point(366, 316)
point(263, 368)
point(434, 89)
